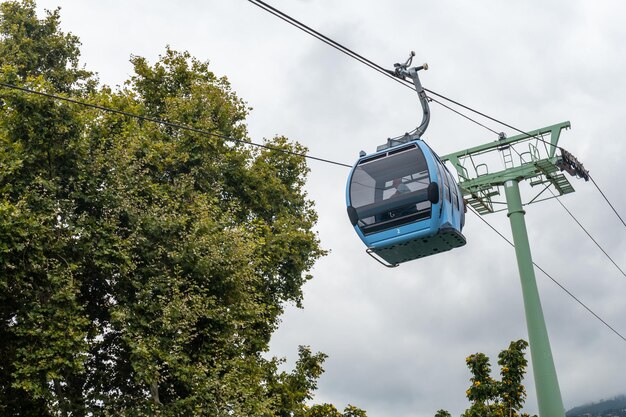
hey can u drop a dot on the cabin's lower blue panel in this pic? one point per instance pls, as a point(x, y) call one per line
point(443, 240)
point(400, 234)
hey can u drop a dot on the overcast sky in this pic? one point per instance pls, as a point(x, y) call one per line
point(397, 339)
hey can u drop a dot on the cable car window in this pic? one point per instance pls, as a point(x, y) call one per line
point(451, 184)
point(391, 190)
point(440, 178)
point(446, 185)
point(453, 188)
point(455, 198)
point(362, 188)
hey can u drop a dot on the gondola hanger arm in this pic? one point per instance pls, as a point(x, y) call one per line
point(405, 71)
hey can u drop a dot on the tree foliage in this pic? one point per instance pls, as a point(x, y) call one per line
point(143, 268)
point(329, 410)
point(34, 47)
point(492, 398)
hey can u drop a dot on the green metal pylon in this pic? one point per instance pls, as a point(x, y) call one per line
point(546, 382)
point(536, 160)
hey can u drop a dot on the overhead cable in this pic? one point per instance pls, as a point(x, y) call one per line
point(551, 278)
point(168, 123)
point(388, 73)
point(332, 43)
point(589, 235)
point(607, 200)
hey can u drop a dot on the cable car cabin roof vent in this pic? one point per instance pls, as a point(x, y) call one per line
point(383, 155)
point(394, 142)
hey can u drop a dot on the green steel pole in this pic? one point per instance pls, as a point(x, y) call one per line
point(546, 382)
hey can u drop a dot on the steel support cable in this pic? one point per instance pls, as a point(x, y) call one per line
point(607, 200)
point(552, 279)
point(334, 44)
point(463, 115)
point(296, 23)
point(486, 116)
point(347, 51)
point(589, 234)
point(580, 224)
point(170, 124)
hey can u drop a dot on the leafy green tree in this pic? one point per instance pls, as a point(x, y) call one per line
point(143, 268)
point(323, 410)
point(492, 398)
point(329, 410)
point(35, 47)
point(352, 411)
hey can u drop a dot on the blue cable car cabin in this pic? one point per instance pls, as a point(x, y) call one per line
point(402, 200)
point(404, 204)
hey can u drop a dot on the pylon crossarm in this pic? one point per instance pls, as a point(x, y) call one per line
point(554, 130)
point(528, 156)
point(499, 178)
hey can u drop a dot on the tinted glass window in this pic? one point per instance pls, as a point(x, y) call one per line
point(390, 187)
point(454, 197)
point(440, 179)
